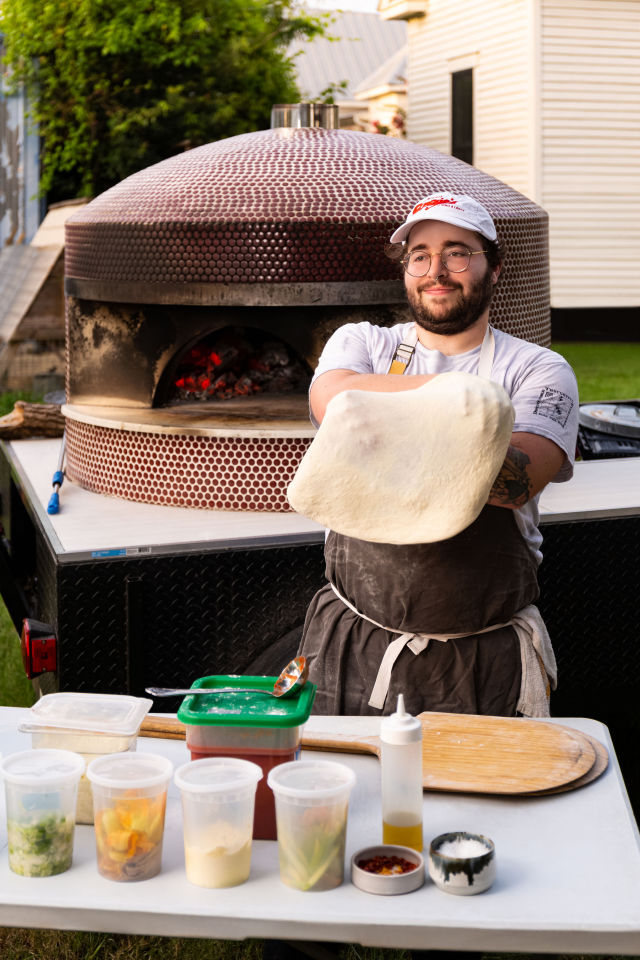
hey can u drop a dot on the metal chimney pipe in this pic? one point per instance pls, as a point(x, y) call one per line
point(306, 114)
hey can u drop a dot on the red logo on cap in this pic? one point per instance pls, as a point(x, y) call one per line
point(433, 203)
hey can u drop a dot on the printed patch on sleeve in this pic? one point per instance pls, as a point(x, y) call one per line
point(553, 404)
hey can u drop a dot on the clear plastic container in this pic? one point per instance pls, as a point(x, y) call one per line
point(253, 727)
point(234, 737)
point(40, 789)
point(264, 821)
point(129, 802)
point(312, 802)
point(90, 724)
point(218, 797)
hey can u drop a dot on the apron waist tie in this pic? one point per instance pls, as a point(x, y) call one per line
point(539, 672)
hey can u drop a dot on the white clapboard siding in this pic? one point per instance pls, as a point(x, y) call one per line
point(493, 37)
point(590, 124)
point(556, 116)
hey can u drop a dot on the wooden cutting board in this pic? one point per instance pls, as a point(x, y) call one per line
point(474, 754)
point(477, 754)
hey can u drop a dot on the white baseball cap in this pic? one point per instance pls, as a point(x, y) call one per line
point(460, 210)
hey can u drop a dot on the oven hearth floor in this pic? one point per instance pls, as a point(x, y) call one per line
point(282, 415)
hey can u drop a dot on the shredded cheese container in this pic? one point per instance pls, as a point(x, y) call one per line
point(251, 726)
point(91, 724)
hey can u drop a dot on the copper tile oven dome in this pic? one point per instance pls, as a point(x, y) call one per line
point(284, 230)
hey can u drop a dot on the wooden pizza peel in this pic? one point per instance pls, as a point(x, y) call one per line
point(472, 754)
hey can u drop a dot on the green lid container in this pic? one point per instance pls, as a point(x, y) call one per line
point(246, 709)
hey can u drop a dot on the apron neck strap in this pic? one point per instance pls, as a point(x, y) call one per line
point(405, 350)
point(487, 351)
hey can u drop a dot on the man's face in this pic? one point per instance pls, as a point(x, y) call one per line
point(444, 302)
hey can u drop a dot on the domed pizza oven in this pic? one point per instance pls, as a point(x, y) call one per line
point(201, 290)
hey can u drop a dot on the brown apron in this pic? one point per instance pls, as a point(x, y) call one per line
point(480, 577)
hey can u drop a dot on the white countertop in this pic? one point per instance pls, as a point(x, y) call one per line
point(90, 523)
point(568, 874)
point(598, 489)
point(95, 526)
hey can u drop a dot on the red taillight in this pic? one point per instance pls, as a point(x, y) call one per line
point(38, 646)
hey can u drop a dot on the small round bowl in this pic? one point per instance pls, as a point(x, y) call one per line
point(390, 883)
point(462, 863)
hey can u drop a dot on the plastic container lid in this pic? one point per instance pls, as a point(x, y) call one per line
point(246, 709)
point(94, 712)
point(42, 768)
point(132, 771)
point(317, 779)
point(217, 775)
point(400, 727)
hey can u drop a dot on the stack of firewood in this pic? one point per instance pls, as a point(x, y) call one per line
point(32, 420)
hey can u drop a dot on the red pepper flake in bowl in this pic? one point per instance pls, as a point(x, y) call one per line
point(387, 866)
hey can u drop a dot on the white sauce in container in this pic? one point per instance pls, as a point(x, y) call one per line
point(220, 858)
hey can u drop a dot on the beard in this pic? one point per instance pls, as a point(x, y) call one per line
point(462, 314)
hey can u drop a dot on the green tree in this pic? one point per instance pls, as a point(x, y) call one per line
point(117, 85)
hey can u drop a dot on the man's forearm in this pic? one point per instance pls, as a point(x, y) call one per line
point(330, 384)
point(530, 464)
point(513, 486)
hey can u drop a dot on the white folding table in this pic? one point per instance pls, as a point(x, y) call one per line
point(568, 874)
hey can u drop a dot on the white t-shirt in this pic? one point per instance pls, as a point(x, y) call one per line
point(541, 384)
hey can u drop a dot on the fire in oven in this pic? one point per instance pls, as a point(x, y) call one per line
point(235, 362)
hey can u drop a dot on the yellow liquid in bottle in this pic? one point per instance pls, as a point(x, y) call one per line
point(404, 836)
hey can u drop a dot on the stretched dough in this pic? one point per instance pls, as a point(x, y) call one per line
point(409, 467)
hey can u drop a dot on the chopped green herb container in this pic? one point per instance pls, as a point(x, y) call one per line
point(41, 788)
point(265, 730)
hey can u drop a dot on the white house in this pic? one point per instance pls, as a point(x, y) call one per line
point(545, 96)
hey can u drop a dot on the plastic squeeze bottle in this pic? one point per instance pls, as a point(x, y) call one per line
point(401, 757)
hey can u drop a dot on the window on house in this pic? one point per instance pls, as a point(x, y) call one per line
point(462, 115)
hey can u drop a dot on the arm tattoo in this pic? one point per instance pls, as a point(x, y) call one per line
point(512, 485)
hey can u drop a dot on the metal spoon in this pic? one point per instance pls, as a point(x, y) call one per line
point(291, 679)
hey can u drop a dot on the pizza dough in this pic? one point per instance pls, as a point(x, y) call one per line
point(409, 467)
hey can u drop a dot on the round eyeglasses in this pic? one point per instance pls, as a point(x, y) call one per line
point(453, 259)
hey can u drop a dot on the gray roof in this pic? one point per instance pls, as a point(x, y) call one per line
point(392, 72)
point(365, 43)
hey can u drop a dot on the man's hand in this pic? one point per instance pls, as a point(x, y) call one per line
point(530, 464)
point(329, 384)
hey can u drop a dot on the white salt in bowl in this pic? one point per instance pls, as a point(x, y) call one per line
point(462, 863)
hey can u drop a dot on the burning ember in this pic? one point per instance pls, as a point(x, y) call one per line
point(237, 363)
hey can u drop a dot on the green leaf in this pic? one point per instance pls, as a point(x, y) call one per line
point(117, 86)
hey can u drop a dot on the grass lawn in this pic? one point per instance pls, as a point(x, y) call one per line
point(605, 371)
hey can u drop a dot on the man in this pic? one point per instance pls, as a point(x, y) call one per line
point(452, 625)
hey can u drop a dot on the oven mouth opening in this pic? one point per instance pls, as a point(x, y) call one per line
point(231, 367)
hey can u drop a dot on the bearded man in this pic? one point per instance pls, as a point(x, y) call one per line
point(469, 599)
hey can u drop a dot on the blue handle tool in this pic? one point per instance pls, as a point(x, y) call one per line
point(54, 501)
